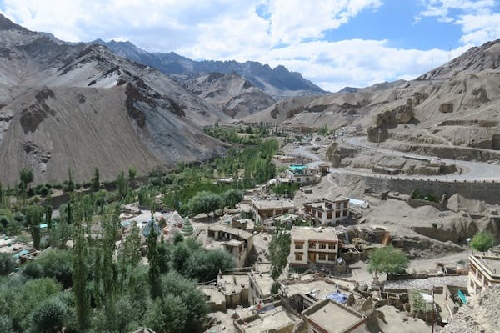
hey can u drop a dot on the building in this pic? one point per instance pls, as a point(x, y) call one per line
point(484, 271)
point(260, 283)
point(301, 174)
point(328, 211)
point(264, 209)
point(313, 246)
point(235, 241)
point(327, 316)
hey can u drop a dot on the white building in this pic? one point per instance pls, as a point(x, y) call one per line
point(484, 272)
point(328, 211)
point(313, 246)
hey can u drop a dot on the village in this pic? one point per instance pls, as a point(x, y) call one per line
point(325, 286)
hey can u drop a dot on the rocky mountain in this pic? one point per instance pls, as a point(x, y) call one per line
point(78, 106)
point(446, 112)
point(277, 82)
point(231, 93)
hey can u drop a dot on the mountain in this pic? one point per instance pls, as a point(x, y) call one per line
point(277, 82)
point(233, 94)
point(447, 111)
point(78, 106)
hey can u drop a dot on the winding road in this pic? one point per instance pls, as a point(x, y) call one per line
point(470, 171)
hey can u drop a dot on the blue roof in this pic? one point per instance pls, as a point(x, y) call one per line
point(338, 298)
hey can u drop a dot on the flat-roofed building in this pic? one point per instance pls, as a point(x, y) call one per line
point(238, 242)
point(484, 272)
point(327, 316)
point(313, 246)
point(328, 211)
point(263, 209)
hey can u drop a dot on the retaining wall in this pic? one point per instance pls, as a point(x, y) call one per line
point(486, 191)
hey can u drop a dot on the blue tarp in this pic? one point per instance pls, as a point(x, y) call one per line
point(338, 298)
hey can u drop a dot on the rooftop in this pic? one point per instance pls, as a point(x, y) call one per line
point(273, 319)
point(327, 312)
point(318, 289)
point(324, 234)
point(490, 263)
point(272, 204)
point(233, 231)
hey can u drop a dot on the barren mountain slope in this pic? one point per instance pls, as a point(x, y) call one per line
point(236, 96)
point(455, 104)
point(81, 107)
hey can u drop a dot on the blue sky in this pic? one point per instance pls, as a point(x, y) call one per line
point(333, 43)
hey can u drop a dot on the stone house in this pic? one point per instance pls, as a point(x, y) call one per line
point(328, 211)
point(484, 272)
point(263, 209)
point(310, 246)
point(238, 242)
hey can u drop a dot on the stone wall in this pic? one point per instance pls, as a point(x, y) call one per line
point(484, 191)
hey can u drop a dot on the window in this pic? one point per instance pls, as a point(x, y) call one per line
point(298, 256)
point(312, 245)
point(322, 246)
point(321, 256)
point(331, 246)
point(299, 246)
point(337, 214)
point(298, 179)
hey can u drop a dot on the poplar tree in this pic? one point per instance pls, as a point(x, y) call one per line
point(154, 269)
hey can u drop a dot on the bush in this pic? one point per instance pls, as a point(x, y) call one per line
point(6, 264)
point(33, 270)
point(48, 316)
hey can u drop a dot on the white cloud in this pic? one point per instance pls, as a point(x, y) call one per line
point(479, 24)
point(287, 32)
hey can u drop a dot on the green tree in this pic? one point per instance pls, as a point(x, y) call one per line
point(6, 323)
point(167, 315)
point(132, 173)
point(95, 182)
point(48, 316)
point(154, 267)
point(71, 184)
point(26, 177)
point(34, 216)
point(203, 265)
point(387, 260)
point(57, 264)
point(122, 185)
point(232, 197)
point(482, 241)
point(193, 300)
point(80, 269)
point(279, 249)
point(6, 264)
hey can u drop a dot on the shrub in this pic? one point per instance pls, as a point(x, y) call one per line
point(6, 264)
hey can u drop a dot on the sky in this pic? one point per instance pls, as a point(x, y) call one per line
point(333, 43)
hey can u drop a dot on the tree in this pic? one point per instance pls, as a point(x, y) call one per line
point(482, 241)
point(232, 197)
point(48, 316)
point(279, 249)
point(387, 260)
point(154, 268)
point(71, 184)
point(95, 183)
point(6, 264)
point(26, 177)
point(122, 185)
point(80, 269)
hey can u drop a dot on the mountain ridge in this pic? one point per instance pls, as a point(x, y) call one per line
point(277, 82)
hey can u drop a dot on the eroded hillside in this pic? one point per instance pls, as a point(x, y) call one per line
point(81, 107)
